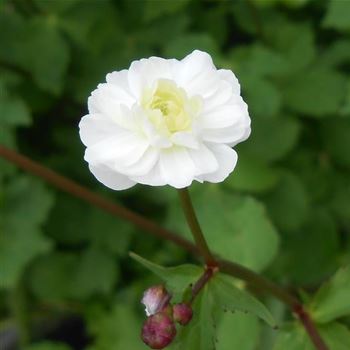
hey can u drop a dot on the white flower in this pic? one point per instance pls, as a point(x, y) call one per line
point(165, 121)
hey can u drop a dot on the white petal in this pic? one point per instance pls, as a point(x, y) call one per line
point(110, 178)
point(143, 166)
point(222, 117)
point(230, 135)
point(177, 167)
point(125, 149)
point(107, 98)
point(221, 96)
point(95, 127)
point(184, 138)
point(197, 74)
point(229, 76)
point(204, 160)
point(227, 159)
point(152, 178)
point(143, 73)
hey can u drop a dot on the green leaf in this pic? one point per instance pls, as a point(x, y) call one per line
point(277, 144)
point(288, 204)
point(258, 60)
point(28, 203)
point(64, 275)
point(238, 331)
point(345, 110)
point(24, 209)
point(95, 273)
point(316, 92)
point(336, 336)
point(14, 112)
point(332, 300)
point(335, 136)
point(232, 232)
point(290, 38)
point(337, 16)
point(252, 175)
point(56, 7)
point(318, 235)
point(229, 297)
point(263, 97)
point(176, 278)
point(72, 222)
point(26, 39)
point(155, 9)
point(17, 249)
point(47, 345)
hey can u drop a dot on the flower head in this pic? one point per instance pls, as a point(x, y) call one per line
point(155, 299)
point(165, 122)
point(158, 331)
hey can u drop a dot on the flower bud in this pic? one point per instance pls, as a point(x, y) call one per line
point(158, 331)
point(155, 299)
point(182, 313)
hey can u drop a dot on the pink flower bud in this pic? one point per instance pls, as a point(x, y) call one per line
point(158, 331)
point(155, 299)
point(182, 313)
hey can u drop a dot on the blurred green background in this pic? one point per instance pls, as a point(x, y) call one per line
point(66, 281)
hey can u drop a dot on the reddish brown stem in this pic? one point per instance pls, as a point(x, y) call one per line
point(310, 327)
point(151, 227)
point(202, 281)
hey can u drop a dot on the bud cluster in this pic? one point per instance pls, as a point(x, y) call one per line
point(159, 329)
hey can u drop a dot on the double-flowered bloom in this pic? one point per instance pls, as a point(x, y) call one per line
point(165, 122)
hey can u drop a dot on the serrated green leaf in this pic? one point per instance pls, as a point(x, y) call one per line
point(177, 278)
point(231, 232)
point(229, 297)
point(332, 300)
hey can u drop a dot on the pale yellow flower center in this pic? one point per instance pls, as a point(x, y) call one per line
point(169, 108)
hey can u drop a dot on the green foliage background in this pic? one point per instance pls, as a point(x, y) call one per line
point(65, 273)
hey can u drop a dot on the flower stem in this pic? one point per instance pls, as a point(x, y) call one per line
point(196, 230)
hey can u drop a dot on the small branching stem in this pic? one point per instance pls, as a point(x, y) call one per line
point(195, 228)
point(202, 281)
point(154, 229)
